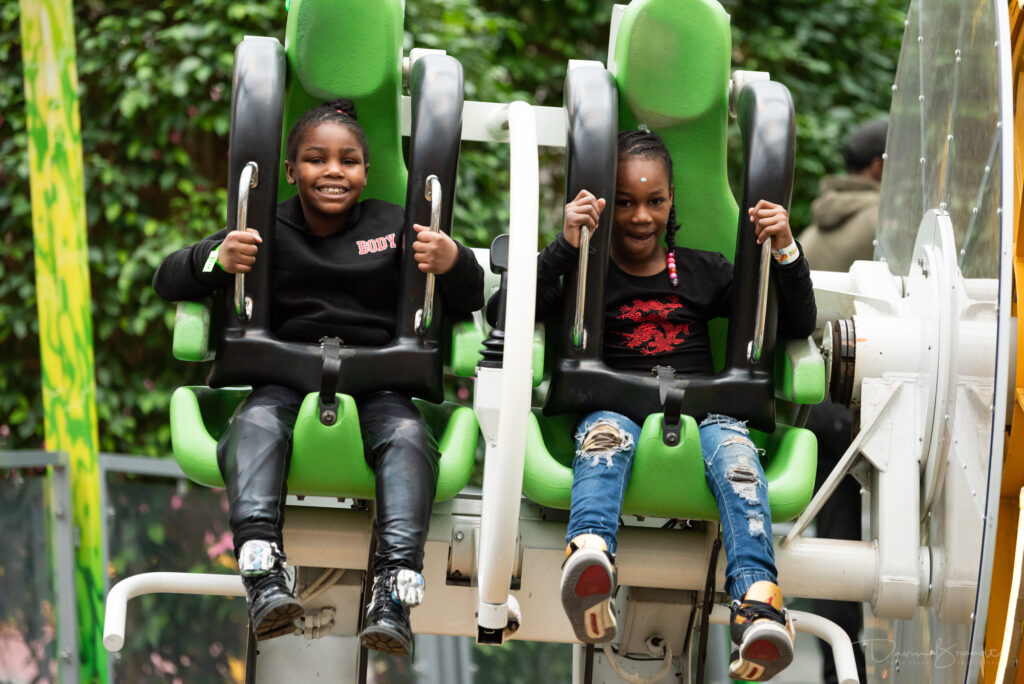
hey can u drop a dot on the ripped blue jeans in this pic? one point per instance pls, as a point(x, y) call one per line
point(605, 445)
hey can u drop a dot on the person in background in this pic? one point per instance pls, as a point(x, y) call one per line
point(845, 213)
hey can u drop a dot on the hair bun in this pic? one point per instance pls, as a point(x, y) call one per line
point(343, 105)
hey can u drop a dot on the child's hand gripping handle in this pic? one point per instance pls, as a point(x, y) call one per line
point(581, 218)
point(432, 192)
point(248, 179)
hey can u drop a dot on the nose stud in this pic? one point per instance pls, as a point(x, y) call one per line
point(643, 179)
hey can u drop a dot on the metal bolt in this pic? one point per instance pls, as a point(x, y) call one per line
point(459, 536)
point(59, 512)
point(65, 654)
point(328, 417)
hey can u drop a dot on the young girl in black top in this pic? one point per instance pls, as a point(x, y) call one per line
point(658, 301)
point(329, 282)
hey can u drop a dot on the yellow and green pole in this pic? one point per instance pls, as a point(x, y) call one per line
point(63, 294)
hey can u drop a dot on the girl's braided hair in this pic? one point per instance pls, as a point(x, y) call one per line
point(643, 143)
point(341, 111)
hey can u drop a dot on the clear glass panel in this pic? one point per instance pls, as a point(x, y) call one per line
point(942, 151)
point(28, 604)
point(971, 193)
point(157, 524)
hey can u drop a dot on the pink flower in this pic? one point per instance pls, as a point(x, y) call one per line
point(162, 665)
point(225, 544)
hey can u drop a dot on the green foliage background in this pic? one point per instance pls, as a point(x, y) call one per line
point(155, 81)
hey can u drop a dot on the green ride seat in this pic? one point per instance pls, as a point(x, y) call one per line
point(669, 481)
point(333, 48)
point(326, 460)
point(672, 69)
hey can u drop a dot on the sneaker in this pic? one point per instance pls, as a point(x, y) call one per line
point(762, 634)
point(273, 608)
point(387, 615)
point(588, 582)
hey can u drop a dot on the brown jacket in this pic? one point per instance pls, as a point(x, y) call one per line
point(845, 216)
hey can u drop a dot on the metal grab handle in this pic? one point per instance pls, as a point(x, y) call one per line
point(249, 178)
point(579, 333)
point(432, 192)
point(756, 345)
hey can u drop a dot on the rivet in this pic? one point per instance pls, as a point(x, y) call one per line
point(459, 536)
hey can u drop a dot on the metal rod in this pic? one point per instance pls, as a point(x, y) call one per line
point(433, 193)
point(160, 583)
point(826, 630)
point(248, 179)
point(579, 333)
point(756, 345)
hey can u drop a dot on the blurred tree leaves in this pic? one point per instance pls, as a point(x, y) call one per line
point(155, 79)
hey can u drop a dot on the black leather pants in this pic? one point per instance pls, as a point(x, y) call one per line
point(255, 452)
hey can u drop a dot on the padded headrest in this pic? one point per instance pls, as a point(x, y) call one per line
point(353, 49)
point(672, 66)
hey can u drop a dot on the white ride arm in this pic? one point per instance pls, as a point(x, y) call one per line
point(503, 396)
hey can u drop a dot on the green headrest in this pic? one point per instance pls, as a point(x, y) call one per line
point(672, 65)
point(353, 49)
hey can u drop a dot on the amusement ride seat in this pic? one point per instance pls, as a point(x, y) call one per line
point(670, 72)
point(332, 51)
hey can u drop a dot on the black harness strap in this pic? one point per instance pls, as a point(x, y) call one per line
point(671, 396)
point(328, 400)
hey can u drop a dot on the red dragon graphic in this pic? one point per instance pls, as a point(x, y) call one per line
point(651, 310)
point(654, 334)
point(651, 338)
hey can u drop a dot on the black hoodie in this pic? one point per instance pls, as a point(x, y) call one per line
point(343, 285)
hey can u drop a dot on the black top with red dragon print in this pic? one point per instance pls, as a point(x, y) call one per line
point(650, 323)
point(342, 285)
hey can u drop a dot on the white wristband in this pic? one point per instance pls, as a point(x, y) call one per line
point(786, 255)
